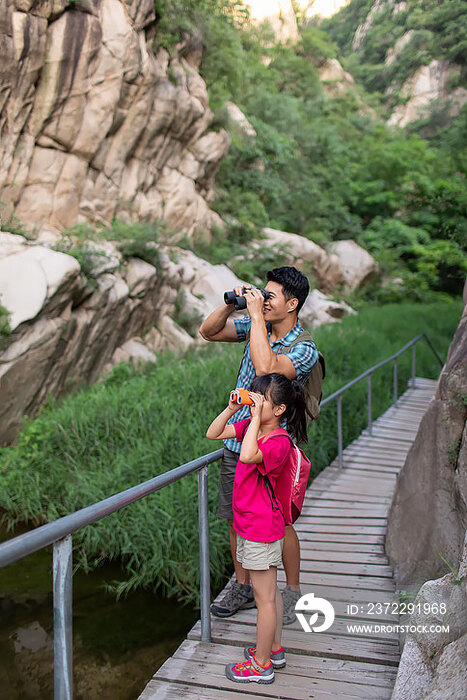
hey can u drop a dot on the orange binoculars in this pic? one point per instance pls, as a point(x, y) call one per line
point(241, 396)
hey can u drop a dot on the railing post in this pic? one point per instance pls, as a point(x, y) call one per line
point(63, 601)
point(414, 360)
point(395, 382)
point(370, 406)
point(339, 428)
point(204, 572)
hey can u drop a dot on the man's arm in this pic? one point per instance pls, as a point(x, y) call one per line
point(263, 357)
point(218, 326)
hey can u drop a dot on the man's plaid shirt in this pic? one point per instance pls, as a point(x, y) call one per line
point(304, 356)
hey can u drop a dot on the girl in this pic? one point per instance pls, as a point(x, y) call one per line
point(258, 519)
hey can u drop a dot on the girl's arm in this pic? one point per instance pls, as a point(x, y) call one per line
point(249, 452)
point(219, 430)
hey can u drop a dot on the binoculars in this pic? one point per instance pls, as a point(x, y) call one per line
point(241, 396)
point(239, 302)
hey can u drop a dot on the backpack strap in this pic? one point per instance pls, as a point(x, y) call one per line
point(277, 431)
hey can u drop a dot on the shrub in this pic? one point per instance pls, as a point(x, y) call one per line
point(4, 327)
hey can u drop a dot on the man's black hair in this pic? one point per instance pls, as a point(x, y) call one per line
point(294, 283)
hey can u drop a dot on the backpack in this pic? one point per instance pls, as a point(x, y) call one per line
point(313, 385)
point(292, 481)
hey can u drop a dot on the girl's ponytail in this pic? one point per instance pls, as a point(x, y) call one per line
point(296, 413)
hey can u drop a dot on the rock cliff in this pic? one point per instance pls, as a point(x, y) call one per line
point(428, 515)
point(94, 125)
point(427, 536)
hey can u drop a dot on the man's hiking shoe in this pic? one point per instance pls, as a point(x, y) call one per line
point(290, 599)
point(239, 596)
point(250, 671)
point(277, 657)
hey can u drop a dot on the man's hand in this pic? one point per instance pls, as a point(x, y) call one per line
point(254, 302)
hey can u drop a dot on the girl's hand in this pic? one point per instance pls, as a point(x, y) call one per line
point(258, 402)
point(233, 406)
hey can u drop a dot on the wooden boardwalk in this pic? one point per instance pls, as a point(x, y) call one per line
point(341, 530)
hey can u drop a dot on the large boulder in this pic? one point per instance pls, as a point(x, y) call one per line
point(433, 662)
point(358, 266)
point(318, 309)
point(306, 255)
point(33, 279)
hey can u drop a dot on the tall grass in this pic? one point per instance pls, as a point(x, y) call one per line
point(136, 425)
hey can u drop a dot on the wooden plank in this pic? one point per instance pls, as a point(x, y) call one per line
point(364, 616)
point(363, 584)
point(313, 536)
point(344, 625)
point(350, 511)
point(297, 664)
point(158, 689)
point(213, 675)
point(343, 548)
point(340, 520)
point(297, 641)
point(329, 496)
point(359, 465)
point(308, 553)
point(341, 529)
point(339, 567)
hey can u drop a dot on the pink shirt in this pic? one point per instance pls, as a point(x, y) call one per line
point(255, 516)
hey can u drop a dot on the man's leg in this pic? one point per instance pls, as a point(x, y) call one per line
point(291, 561)
point(240, 594)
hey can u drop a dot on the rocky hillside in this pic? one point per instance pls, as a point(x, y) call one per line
point(411, 52)
point(94, 125)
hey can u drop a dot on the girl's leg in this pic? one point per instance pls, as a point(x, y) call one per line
point(277, 643)
point(269, 624)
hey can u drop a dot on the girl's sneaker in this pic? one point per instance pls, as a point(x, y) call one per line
point(277, 657)
point(250, 671)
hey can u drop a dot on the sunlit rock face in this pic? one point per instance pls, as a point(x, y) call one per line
point(94, 125)
point(279, 14)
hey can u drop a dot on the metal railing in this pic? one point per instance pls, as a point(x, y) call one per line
point(59, 532)
point(368, 374)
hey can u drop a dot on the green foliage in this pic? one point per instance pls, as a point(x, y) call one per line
point(441, 265)
point(4, 327)
point(135, 425)
point(133, 240)
point(88, 257)
point(138, 240)
point(11, 224)
point(316, 45)
point(392, 233)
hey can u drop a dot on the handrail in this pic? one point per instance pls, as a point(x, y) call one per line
point(368, 373)
point(59, 532)
point(40, 537)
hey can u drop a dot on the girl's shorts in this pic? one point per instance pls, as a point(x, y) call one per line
point(259, 556)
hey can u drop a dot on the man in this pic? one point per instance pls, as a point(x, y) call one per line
point(272, 325)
